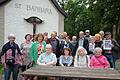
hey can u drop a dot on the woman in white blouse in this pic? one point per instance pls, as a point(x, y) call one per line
point(81, 60)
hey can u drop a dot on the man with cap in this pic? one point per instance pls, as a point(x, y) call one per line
point(110, 49)
point(87, 35)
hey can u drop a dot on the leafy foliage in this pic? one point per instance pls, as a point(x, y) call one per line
point(94, 15)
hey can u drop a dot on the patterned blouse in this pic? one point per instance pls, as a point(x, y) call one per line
point(25, 49)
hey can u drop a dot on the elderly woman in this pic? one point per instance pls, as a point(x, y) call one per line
point(98, 60)
point(81, 59)
point(25, 49)
point(11, 58)
point(66, 59)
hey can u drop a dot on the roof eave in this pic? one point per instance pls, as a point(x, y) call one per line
point(3, 2)
point(59, 8)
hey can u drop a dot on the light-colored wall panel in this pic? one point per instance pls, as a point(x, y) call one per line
point(1, 26)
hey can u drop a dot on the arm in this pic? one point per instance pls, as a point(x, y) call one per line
point(75, 62)
point(60, 61)
point(31, 52)
point(21, 46)
point(54, 60)
point(39, 60)
point(19, 50)
point(88, 61)
point(106, 63)
point(91, 63)
point(3, 51)
point(44, 46)
point(71, 60)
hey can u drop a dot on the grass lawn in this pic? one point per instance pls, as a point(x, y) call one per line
point(118, 65)
point(1, 69)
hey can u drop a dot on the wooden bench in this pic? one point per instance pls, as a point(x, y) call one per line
point(73, 72)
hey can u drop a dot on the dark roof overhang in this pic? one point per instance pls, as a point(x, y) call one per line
point(59, 8)
point(3, 1)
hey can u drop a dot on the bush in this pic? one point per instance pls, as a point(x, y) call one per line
point(1, 69)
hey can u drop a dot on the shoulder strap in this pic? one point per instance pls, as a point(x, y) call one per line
point(99, 61)
point(87, 60)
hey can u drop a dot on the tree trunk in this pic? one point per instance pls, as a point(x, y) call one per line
point(118, 28)
point(114, 31)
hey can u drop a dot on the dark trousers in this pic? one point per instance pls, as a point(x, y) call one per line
point(110, 59)
point(11, 69)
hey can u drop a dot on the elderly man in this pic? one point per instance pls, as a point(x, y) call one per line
point(82, 41)
point(11, 58)
point(55, 44)
point(47, 58)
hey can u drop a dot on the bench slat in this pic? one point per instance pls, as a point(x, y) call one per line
point(58, 71)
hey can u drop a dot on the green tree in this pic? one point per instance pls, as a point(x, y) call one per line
point(94, 15)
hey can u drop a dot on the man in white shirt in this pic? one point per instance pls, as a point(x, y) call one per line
point(47, 58)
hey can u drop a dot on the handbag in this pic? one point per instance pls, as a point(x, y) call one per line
point(10, 62)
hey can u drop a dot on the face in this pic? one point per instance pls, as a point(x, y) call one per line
point(60, 36)
point(11, 39)
point(53, 35)
point(28, 38)
point(87, 33)
point(73, 38)
point(98, 53)
point(97, 38)
point(92, 40)
point(48, 49)
point(64, 34)
point(81, 35)
point(45, 34)
point(45, 38)
point(81, 52)
point(66, 52)
point(67, 39)
point(108, 36)
point(40, 39)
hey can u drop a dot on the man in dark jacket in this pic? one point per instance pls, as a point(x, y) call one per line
point(82, 41)
point(11, 58)
point(66, 44)
point(55, 44)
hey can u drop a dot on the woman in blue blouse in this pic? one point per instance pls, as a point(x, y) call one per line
point(66, 59)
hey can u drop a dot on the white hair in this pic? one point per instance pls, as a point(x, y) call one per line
point(84, 50)
point(97, 49)
point(48, 45)
point(101, 32)
point(81, 32)
point(11, 35)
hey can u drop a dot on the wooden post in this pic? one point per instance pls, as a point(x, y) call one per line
point(118, 29)
point(34, 28)
point(114, 31)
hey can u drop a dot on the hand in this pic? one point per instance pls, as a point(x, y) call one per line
point(5, 65)
point(44, 64)
point(112, 45)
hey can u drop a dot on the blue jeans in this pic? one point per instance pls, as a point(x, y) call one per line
point(14, 69)
point(110, 59)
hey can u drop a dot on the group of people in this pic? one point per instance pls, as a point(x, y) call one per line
point(86, 51)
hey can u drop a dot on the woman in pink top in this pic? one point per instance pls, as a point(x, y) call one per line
point(98, 60)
